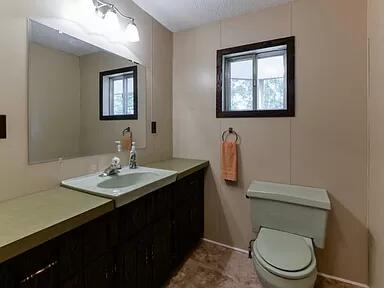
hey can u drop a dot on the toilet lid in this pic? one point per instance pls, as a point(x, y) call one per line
point(283, 250)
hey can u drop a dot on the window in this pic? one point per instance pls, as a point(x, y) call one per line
point(118, 94)
point(256, 80)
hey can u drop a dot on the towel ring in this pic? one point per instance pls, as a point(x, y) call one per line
point(226, 133)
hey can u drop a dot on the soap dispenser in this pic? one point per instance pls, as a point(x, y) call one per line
point(133, 157)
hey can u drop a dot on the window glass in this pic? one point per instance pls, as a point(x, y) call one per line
point(271, 92)
point(130, 98)
point(118, 100)
point(241, 87)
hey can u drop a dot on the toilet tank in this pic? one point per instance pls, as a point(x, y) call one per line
point(290, 208)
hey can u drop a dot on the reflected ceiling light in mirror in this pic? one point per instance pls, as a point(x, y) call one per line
point(131, 32)
point(109, 12)
point(112, 21)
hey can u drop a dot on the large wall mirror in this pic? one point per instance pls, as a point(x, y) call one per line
point(80, 97)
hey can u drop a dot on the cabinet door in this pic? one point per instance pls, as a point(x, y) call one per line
point(48, 278)
point(70, 254)
point(100, 273)
point(144, 260)
point(132, 219)
point(181, 235)
point(75, 281)
point(161, 251)
point(159, 204)
point(98, 237)
point(127, 265)
point(188, 214)
point(7, 277)
point(38, 268)
point(197, 207)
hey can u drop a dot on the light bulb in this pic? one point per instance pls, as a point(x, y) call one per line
point(131, 33)
point(112, 21)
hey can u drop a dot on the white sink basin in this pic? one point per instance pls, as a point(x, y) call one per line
point(127, 180)
point(125, 187)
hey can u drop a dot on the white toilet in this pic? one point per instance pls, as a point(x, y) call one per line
point(289, 221)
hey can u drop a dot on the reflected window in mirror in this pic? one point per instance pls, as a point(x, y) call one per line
point(118, 94)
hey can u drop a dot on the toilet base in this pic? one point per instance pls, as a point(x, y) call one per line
point(269, 280)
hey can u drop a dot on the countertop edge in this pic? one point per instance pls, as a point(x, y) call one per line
point(31, 241)
point(192, 170)
point(189, 167)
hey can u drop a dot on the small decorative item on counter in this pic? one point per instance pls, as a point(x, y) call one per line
point(133, 157)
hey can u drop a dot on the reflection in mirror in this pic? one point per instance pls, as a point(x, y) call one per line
point(66, 102)
point(118, 94)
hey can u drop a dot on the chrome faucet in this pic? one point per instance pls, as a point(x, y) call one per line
point(113, 168)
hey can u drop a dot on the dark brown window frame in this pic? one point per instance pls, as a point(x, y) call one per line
point(290, 111)
point(134, 116)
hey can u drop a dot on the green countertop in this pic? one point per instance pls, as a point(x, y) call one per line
point(184, 167)
point(29, 221)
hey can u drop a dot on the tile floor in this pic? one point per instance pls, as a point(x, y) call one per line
point(211, 265)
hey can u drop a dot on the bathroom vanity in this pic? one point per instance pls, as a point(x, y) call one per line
point(135, 245)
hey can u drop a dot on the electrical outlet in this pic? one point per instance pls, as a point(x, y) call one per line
point(3, 126)
point(153, 127)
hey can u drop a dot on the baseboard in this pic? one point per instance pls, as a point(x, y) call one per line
point(320, 274)
point(226, 246)
point(357, 284)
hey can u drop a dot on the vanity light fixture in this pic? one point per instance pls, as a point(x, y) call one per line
point(110, 13)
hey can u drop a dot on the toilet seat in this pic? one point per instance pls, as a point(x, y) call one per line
point(284, 254)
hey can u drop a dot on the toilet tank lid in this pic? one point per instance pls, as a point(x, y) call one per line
point(307, 196)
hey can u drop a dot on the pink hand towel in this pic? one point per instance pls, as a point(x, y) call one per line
point(229, 161)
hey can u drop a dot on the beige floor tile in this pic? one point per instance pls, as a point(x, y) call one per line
point(214, 266)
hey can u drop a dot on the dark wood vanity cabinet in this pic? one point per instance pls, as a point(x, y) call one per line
point(135, 246)
point(38, 268)
point(7, 277)
point(188, 218)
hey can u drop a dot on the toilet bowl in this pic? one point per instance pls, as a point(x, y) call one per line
point(289, 221)
point(284, 260)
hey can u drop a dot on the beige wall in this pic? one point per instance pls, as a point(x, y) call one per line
point(54, 94)
point(91, 127)
point(16, 176)
point(324, 145)
point(376, 139)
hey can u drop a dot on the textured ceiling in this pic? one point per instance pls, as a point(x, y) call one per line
point(179, 15)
